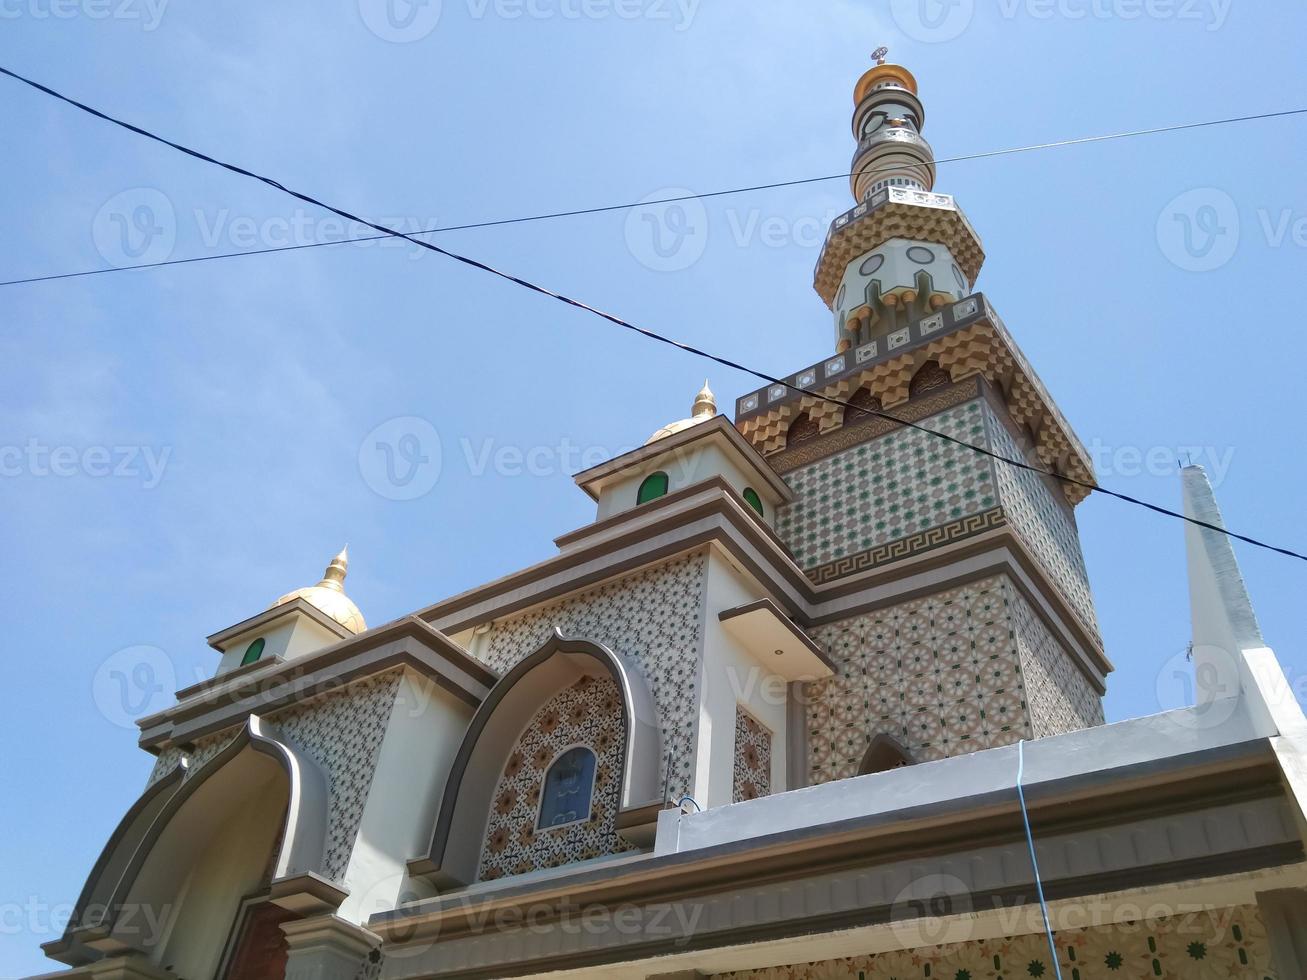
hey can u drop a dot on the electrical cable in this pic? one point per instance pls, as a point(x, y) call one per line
point(643, 331)
point(1034, 861)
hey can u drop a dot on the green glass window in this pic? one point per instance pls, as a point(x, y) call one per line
point(753, 500)
point(653, 487)
point(253, 652)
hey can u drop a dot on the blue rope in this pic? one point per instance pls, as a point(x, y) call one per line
point(1034, 861)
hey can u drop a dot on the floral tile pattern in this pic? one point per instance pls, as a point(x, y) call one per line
point(890, 487)
point(1224, 944)
point(941, 675)
point(1060, 696)
point(752, 758)
point(588, 713)
point(653, 618)
point(1046, 525)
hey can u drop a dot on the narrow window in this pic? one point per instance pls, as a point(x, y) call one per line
point(253, 652)
point(567, 790)
point(753, 500)
point(653, 487)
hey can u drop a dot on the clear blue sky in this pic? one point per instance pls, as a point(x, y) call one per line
point(254, 382)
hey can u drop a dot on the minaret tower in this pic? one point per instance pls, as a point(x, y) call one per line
point(903, 251)
point(952, 585)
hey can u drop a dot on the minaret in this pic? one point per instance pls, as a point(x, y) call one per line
point(903, 251)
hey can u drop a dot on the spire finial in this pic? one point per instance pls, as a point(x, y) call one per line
point(705, 403)
point(879, 54)
point(334, 576)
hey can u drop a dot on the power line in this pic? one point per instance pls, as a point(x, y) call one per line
point(577, 212)
point(625, 324)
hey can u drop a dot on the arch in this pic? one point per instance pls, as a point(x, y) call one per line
point(884, 752)
point(803, 428)
point(861, 404)
point(253, 652)
point(651, 488)
point(147, 857)
point(751, 498)
point(928, 377)
point(456, 838)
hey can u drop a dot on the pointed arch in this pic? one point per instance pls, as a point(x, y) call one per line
point(861, 404)
point(135, 864)
point(884, 752)
point(803, 428)
point(456, 838)
point(928, 377)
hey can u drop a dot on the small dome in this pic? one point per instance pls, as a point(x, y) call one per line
point(329, 596)
point(704, 409)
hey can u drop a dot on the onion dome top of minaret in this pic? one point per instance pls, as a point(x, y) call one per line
point(880, 74)
point(329, 596)
point(704, 409)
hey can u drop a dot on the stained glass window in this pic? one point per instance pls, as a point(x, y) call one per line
point(569, 784)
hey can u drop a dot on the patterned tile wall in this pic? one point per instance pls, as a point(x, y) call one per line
point(1060, 696)
point(941, 675)
point(752, 758)
point(1045, 525)
point(342, 732)
point(1223, 944)
point(653, 618)
point(888, 488)
point(588, 713)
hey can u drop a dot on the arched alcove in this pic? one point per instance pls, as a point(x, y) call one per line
point(884, 753)
point(458, 835)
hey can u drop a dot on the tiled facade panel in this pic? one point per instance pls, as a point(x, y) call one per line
point(1044, 524)
point(941, 675)
point(888, 488)
point(651, 617)
point(1060, 696)
point(588, 713)
point(1223, 944)
point(752, 758)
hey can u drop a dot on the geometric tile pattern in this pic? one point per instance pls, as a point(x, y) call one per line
point(1221, 944)
point(941, 675)
point(651, 617)
point(1061, 698)
point(342, 732)
point(752, 758)
point(903, 483)
point(1045, 525)
point(588, 713)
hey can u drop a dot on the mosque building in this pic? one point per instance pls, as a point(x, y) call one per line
point(802, 701)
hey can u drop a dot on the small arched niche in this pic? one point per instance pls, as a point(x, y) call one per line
point(883, 754)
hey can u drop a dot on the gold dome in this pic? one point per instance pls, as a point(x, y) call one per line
point(329, 596)
point(704, 409)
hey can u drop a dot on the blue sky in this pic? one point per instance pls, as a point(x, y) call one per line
point(183, 445)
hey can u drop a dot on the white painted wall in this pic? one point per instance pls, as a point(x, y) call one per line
point(694, 464)
point(423, 734)
point(731, 675)
point(295, 636)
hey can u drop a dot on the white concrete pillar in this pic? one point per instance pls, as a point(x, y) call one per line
point(327, 947)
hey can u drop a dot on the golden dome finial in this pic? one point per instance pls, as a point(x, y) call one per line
point(704, 409)
point(328, 595)
point(705, 403)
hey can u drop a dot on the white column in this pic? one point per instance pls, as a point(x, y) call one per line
point(1285, 915)
point(326, 947)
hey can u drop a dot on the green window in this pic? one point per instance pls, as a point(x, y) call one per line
point(753, 500)
point(653, 487)
point(253, 652)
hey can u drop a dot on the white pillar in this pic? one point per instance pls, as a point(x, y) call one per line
point(326, 947)
point(1285, 916)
